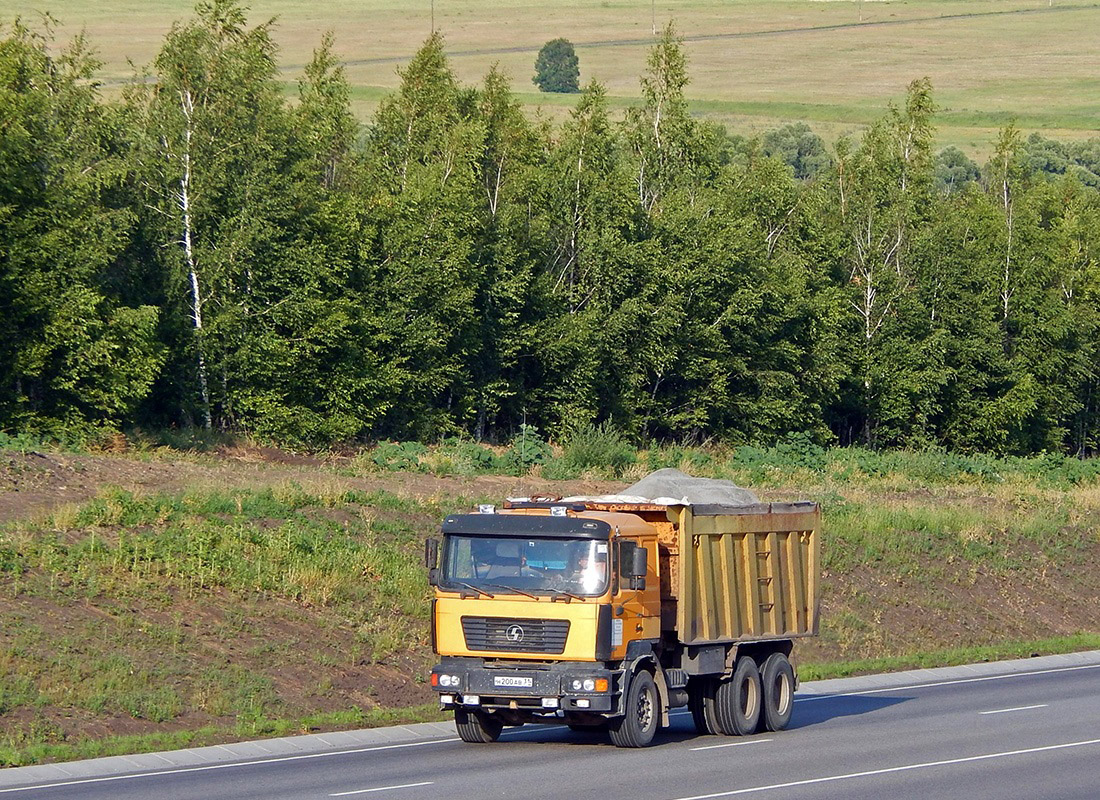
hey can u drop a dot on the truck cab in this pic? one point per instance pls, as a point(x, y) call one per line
point(535, 611)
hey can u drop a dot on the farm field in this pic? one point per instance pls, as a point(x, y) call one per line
point(754, 65)
point(166, 599)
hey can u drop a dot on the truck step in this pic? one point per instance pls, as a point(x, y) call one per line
point(676, 678)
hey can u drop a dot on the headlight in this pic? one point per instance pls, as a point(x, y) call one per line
point(589, 685)
point(576, 685)
point(448, 680)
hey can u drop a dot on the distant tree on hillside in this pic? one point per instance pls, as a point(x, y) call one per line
point(802, 149)
point(1053, 158)
point(557, 68)
point(954, 169)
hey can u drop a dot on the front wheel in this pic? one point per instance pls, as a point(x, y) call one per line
point(477, 727)
point(638, 726)
point(737, 700)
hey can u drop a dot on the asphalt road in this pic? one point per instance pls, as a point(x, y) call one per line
point(1033, 735)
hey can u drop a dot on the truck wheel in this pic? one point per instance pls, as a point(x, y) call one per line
point(476, 727)
point(638, 726)
point(701, 703)
point(777, 678)
point(738, 700)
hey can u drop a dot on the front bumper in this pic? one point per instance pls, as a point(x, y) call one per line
point(537, 691)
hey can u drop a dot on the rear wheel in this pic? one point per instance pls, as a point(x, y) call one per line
point(477, 727)
point(738, 700)
point(701, 702)
point(777, 678)
point(638, 726)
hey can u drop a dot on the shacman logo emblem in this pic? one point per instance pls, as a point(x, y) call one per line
point(514, 633)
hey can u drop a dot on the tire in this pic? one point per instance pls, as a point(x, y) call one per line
point(738, 701)
point(777, 678)
point(477, 727)
point(701, 703)
point(639, 725)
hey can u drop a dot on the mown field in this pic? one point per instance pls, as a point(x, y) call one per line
point(754, 64)
point(160, 599)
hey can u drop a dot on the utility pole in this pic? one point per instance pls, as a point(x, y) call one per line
point(653, 15)
point(433, 16)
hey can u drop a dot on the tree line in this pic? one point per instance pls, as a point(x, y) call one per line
point(210, 251)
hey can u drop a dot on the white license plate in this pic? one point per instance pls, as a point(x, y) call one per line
point(508, 680)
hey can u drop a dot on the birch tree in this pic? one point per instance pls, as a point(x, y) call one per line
point(662, 133)
point(883, 192)
point(213, 133)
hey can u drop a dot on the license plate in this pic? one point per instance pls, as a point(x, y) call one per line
point(508, 680)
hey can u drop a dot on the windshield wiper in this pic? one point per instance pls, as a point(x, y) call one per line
point(563, 593)
point(479, 591)
point(512, 589)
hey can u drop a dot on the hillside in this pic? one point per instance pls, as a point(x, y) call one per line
point(755, 65)
point(159, 600)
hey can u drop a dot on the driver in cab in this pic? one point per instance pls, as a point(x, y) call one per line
point(590, 572)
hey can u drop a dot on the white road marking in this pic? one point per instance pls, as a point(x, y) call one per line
point(1018, 708)
point(732, 744)
point(209, 767)
point(813, 697)
point(887, 770)
point(382, 789)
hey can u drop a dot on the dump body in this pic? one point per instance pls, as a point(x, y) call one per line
point(747, 572)
point(750, 572)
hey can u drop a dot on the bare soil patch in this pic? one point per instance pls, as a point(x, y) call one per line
point(35, 484)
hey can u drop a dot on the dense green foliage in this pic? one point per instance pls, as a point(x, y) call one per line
point(557, 68)
point(207, 252)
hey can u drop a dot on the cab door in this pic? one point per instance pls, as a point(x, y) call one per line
point(635, 612)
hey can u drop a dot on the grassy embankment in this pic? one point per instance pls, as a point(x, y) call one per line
point(204, 617)
point(754, 65)
point(146, 622)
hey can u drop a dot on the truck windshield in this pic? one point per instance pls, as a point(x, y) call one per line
point(527, 564)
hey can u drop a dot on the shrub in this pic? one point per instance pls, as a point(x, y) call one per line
point(398, 456)
point(527, 450)
point(482, 458)
point(598, 446)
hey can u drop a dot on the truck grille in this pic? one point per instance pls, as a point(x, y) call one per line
point(502, 634)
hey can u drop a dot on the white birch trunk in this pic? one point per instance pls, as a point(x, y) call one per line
point(187, 106)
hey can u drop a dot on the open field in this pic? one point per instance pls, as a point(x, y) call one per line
point(754, 64)
point(165, 599)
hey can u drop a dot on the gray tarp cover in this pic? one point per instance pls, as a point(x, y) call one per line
point(696, 491)
point(672, 487)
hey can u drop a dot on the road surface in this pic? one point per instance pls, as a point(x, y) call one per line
point(1031, 733)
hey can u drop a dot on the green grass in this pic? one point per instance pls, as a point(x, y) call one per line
point(754, 64)
point(271, 541)
point(950, 657)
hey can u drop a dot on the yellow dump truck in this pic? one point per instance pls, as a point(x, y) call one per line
point(604, 613)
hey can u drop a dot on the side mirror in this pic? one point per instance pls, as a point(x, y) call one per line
point(633, 564)
point(431, 560)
